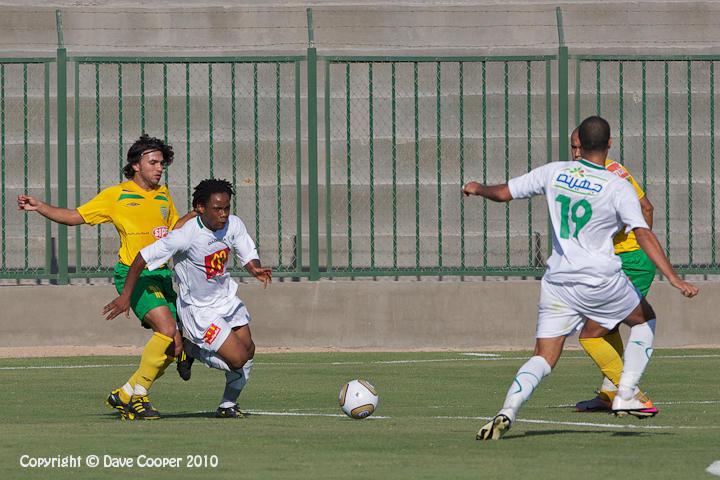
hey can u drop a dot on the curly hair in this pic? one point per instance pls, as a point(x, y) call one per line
point(201, 195)
point(143, 144)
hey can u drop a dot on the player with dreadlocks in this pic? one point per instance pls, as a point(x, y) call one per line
point(214, 319)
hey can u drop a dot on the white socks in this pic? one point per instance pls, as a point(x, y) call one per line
point(526, 379)
point(235, 380)
point(638, 350)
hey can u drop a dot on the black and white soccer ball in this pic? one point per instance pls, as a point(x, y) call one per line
point(358, 399)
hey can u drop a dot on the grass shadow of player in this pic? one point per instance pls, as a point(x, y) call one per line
point(208, 414)
point(533, 433)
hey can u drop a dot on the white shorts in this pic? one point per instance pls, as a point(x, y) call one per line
point(209, 327)
point(563, 308)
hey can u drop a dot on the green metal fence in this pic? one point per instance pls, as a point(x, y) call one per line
point(25, 240)
point(403, 134)
point(663, 111)
point(232, 117)
point(400, 137)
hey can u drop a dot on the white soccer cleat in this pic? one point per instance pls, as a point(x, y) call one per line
point(639, 406)
point(495, 428)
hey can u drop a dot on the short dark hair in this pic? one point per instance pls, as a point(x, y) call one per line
point(594, 133)
point(143, 144)
point(201, 195)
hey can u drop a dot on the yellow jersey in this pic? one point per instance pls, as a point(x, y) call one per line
point(140, 217)
point(624, 242)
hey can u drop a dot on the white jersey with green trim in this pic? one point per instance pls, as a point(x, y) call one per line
point(200, 256)
point(587, 206)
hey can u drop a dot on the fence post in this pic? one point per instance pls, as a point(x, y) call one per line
point(62, 252)
point(563, 92)
point(312, 153)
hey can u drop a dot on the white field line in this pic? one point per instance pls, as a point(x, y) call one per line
point(469, 357)
point(69, 366)
point(581, 424)
point(520, 420)
point(690, 402)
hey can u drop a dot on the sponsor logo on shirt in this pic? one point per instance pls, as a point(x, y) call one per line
point(211, 334)
point(576, 179)
point(132, 204)
point(160, 232)
point(215, 263)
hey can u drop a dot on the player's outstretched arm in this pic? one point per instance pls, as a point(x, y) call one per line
point(56, 214)
point(190, 215)
point(649, 243)
point(496, 193)
point(264, 274)
point(647, 210)
point(122, 303)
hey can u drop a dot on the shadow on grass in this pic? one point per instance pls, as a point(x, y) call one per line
point(534, 433)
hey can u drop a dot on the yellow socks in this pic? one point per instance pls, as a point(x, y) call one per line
point(153, 363)
point(605, 355)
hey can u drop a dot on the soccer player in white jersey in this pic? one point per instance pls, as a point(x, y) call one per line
point(584, 283)
point(214, 319)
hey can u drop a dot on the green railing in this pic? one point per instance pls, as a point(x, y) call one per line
point(26, 242)
point(403, 134)
point(400, 137)
point(236, 118)
point(662, 109)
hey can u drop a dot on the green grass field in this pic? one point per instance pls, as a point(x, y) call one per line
point(431, 405)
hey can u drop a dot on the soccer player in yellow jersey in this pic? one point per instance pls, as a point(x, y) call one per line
point(607, 351)
point(142, 211)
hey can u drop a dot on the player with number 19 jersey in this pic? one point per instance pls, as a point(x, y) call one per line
point(201, 256)
point(587, 206)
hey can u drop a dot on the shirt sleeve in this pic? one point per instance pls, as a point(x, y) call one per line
point(243, 245)
point(159, 252)
point(172, 213)
point(627, 205)
point(637, 188)
point(97, 210)
point(531, 183)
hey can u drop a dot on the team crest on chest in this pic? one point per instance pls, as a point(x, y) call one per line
point(164, 212)
point(215, 263)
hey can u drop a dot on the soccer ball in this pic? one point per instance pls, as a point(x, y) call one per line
point(358, 399)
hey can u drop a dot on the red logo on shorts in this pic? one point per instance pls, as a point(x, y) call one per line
point(211, 333)
point(160, 232)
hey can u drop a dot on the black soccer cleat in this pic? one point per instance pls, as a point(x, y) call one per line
point(185, 361)
point(229, 412)
point(140, 406)
point(113, 400)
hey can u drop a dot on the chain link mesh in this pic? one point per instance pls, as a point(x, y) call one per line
point(405, 136)
point(234, 120)
point(26, 240)
point(664, 111)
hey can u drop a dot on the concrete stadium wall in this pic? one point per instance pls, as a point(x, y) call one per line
point(382, 315)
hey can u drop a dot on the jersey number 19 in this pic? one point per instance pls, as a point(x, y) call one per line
point(569, 211)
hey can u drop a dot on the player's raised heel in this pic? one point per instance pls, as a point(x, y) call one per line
point(113, 400)
point(185, 361)
point(229, 412)
point(639, 406)
point(601, 403)
point(140, 406)
point(495, 428)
